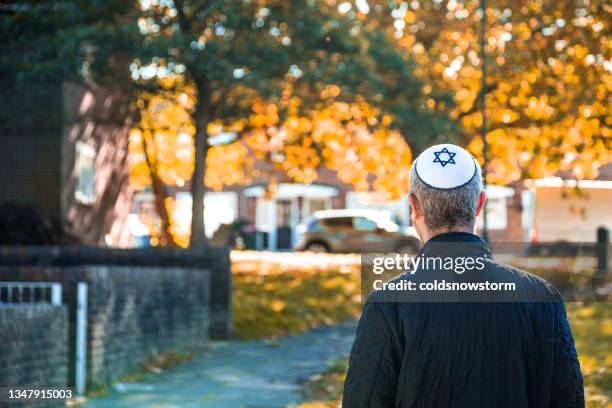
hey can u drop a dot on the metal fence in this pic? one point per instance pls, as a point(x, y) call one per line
point(30, 292)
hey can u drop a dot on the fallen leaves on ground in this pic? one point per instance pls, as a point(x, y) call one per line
point(284, 297)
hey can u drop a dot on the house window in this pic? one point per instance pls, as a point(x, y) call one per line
point(85, 157)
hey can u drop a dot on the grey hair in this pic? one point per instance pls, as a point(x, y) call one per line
point(447, 208)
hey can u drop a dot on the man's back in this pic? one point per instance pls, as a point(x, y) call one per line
point(467, 332)
point(515, 353)
point(476, 354)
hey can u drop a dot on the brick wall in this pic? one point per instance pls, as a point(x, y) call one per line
point(40, 124)
point(101, 118)
point(34, 346)
point(132, 312)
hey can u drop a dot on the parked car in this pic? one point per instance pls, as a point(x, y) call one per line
point(354, 231)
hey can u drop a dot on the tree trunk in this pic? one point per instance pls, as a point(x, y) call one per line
point(159, 191)
point(198, 188)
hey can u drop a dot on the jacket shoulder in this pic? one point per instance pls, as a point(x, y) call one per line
point(530, 282)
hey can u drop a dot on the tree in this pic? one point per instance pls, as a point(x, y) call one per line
point(234, 53)
point(354, 139)
point(81, 40)
point(548, 79)
point(230, 54)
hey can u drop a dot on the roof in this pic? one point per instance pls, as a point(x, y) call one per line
point(559, 182)
point(291, 190)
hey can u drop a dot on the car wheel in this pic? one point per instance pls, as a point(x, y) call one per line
point(317, 247)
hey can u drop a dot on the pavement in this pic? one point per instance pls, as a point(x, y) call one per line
point(237, 374)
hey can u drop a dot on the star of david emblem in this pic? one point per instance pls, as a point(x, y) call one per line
point(443, 162)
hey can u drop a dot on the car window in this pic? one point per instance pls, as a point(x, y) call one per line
point(337, 222)
point(364, 224)
point(313, 225)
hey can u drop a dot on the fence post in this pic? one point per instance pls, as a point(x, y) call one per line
point(56, 294)
point(81, 338)
point(603, 243)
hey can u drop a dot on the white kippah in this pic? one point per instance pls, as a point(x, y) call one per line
point(445, 166)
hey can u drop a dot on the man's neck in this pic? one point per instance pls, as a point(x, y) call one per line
point(432, 233)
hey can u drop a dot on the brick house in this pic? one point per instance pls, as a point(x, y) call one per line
point(63, 151)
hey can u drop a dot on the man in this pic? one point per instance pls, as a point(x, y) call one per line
point(461, 348)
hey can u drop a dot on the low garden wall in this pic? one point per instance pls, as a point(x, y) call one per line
point(140, 302)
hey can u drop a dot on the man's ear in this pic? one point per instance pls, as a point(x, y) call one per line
point(482, 197)
point(414, 204)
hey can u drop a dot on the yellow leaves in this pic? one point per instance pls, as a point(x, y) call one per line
point(356, 153)
point(276, 297)
point(472, 121)
point(579, 51)
point(277, 305)
point(330, 91)
point(352, 139)
point(538, 109)
point(314, 404)
point(410, 17)
point(505, 116)
point(227, 165)
point(264, 115)
point(180, 233)
point(592, 327)
point(301, 163)
point(585, 312)
point(543, 73)
point(532, 76)
point(257, 120)
point(139, 172)
point(298, 125)
point(172, 113)
point(166, 128)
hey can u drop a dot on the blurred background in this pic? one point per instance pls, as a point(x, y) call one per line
point(164, 161)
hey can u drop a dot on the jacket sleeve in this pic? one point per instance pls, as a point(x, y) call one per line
point(567, 385)
point(374, 362)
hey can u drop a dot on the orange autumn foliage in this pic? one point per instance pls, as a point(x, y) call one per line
point(353, 139)
point(549, 79)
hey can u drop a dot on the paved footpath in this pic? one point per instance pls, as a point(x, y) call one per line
point(237, 374)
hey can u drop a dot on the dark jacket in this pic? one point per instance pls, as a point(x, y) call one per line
point(511, 353)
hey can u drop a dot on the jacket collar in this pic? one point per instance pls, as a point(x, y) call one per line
point(456, 243)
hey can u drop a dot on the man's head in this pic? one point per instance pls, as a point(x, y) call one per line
point(446, 191)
